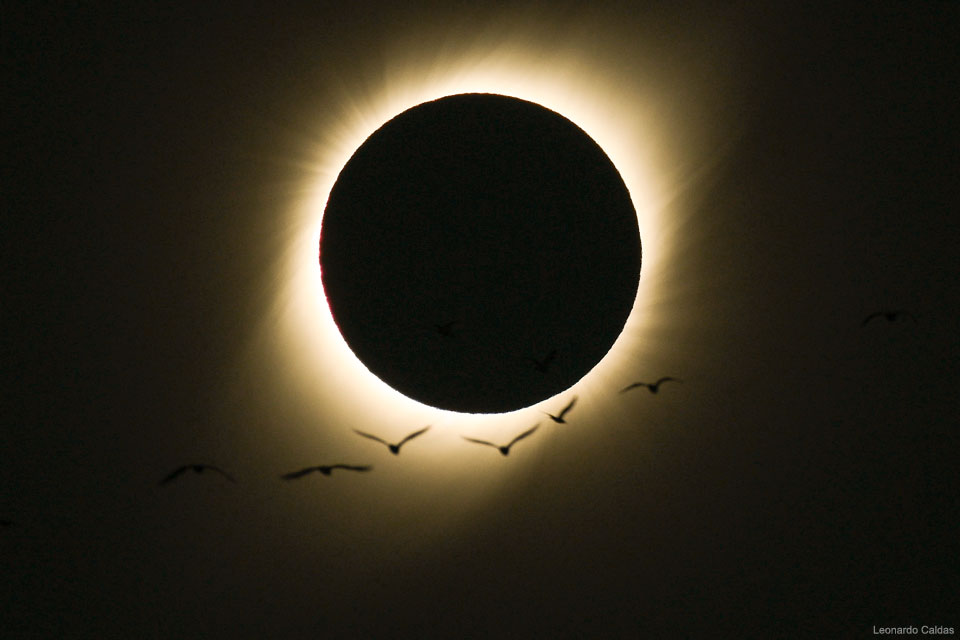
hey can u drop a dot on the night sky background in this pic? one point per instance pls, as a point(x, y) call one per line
point(800, 482)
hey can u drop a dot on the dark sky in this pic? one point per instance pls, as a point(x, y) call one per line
point(801, 481)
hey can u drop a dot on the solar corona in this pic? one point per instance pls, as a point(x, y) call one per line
point(378, 334)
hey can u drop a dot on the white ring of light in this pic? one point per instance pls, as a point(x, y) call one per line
point(617, 115)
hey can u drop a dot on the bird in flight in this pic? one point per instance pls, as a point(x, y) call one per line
point(559, 417)
point(889, 315)
point(324, 469)
point(652, 386)
point(543, 365)
point(445, 329)
point(394, 448)
point(196, 468)
point(505, 449)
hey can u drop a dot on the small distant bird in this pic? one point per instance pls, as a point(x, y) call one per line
point(196, 468)
point(324, 469)
point(652, 386)
point(559, 418)
point(543, 365)
point(6, 523)
point(394, 448)
point(446, 329)
point(505, 449)
point(889, 315)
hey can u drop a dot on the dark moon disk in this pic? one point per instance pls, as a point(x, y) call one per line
point(480, 253)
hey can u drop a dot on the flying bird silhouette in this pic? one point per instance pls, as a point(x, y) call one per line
point(446, 329)
point(543, 365)
point(889, 315)
point(6, 523)
point(196, 468)
point(559, 417)
point(504, 449)
point(394, 448)
point(652, 386)
point(325, 469)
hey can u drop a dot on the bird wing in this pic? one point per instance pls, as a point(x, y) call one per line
point(633, 386)
point(351, 467)
point(412, 435)
point(489, 444)
point(220, 471)
point(372, 437)
point(173, 474)
point(523, 435)
point(568, 407)
point(875, 314)
point(666, 379)
point(293, 475)
point(543, 364)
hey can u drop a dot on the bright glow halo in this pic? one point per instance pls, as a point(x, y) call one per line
point(578, 81)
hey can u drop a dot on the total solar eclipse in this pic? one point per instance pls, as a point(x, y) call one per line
point(479, 253)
